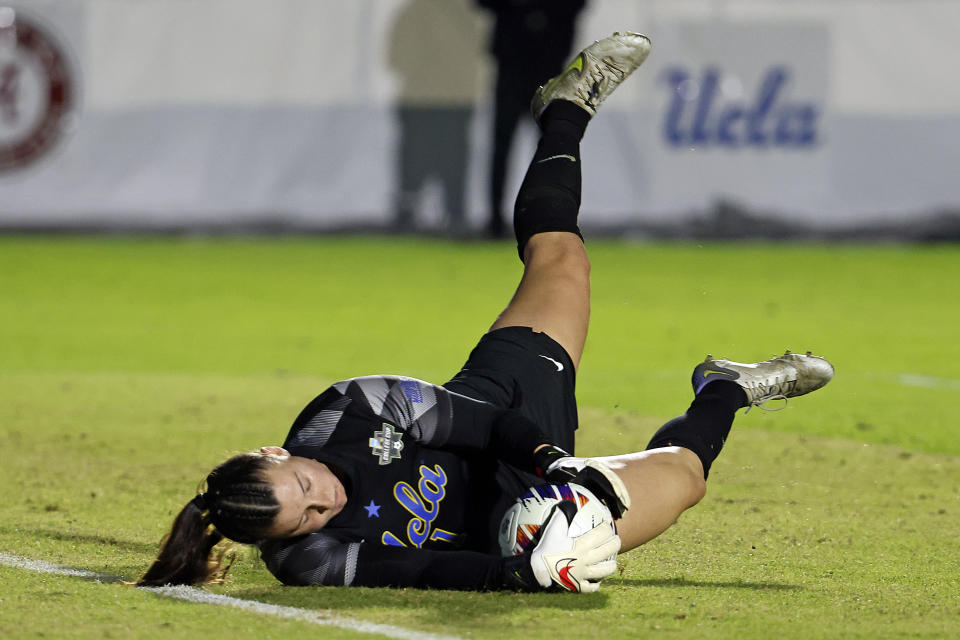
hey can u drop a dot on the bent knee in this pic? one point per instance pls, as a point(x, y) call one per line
point(695, 485)
point(697, 488)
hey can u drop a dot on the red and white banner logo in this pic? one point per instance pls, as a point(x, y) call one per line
point(36, 91)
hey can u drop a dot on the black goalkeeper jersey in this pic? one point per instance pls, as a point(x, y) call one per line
point(418, 464)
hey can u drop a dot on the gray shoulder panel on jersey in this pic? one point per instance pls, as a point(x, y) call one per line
point(374, 390)
point(314, 559)
point(400, 400)
point(320, 427)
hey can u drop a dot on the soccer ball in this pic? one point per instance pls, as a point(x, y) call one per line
point(521, 523)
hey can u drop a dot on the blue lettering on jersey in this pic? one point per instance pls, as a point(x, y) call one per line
point(424, 505)
point(411, 389)
point(699, 116)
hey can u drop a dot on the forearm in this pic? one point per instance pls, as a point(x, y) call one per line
point(461, 570)
point(322, 559)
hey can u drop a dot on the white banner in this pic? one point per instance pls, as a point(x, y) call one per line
point(152, 114)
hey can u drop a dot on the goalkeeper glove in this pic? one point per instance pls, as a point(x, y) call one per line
point(557, 560)
point(558, 467)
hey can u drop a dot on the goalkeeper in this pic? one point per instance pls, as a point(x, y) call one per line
point(391, 481)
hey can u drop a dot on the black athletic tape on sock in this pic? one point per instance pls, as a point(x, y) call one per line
point(567, 116)
point(552, 210)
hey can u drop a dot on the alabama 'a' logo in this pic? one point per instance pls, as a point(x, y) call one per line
point(37, 90)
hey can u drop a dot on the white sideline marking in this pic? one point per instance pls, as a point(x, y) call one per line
point(40, 566)
point(199, 596)
point(928, 382)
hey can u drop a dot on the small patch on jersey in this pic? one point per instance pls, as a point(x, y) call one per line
point(386, 444)
point(373, 509)
point(411, 389)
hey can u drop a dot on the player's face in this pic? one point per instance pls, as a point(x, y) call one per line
point(309, 495)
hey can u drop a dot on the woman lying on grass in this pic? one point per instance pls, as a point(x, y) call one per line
point(392, 481)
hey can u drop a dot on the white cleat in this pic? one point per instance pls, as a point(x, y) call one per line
point(594, 73)
point(783, 377)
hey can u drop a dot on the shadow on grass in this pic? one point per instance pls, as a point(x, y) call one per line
point(149, 548)
point(684, 583)
point(427, 605)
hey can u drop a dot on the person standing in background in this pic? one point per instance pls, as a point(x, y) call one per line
point(530, 43)
point(432, 49)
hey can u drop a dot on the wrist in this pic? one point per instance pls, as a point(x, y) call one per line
point(546, 455)
point(515, 573)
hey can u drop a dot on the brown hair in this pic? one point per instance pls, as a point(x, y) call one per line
point(238, 505)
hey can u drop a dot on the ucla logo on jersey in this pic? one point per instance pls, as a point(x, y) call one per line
point(711, 110)
point(423, 504)
point(411, 389)
point(386, 444)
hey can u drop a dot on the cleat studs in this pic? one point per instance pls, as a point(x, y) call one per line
point(787, 352)
point(809, 353)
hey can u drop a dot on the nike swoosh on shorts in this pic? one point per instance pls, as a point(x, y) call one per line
point(559, 156)
point(559, 364)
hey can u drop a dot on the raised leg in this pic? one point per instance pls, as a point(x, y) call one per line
point(554, 293)
point(553, 296)
point(670, 476)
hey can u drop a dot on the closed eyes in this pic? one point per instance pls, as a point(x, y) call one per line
point(304, 487)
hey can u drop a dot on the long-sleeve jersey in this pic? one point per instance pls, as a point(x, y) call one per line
point(418, 463)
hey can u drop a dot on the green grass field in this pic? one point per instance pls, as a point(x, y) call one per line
point(130, 366)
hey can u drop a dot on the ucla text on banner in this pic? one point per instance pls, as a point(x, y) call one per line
point(307, 113)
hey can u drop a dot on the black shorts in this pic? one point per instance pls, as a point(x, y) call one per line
point(517, 368)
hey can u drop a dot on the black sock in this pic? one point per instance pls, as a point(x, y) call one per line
point(704, 427)
point(549, 198)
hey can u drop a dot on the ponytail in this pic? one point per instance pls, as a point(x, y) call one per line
point(184, 556)
point(238, 505)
